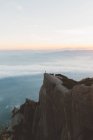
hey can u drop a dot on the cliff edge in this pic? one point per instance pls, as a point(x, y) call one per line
point(64, 112)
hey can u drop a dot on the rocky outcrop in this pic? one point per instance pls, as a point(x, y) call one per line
point(64, 112)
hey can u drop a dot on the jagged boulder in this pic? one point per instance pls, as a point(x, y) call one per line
point(22, 120)
point(64, 112)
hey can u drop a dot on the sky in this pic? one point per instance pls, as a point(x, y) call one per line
point(46, 24)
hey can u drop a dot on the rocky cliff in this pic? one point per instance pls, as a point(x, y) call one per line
point(64, 112)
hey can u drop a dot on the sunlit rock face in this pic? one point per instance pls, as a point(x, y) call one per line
point(64, 112)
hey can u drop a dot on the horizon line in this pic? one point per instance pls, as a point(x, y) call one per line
point(62, 49)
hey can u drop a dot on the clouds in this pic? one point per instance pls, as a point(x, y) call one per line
point(76, 32)
point(19, 7)
point(15, 5)
point(34, 21)
point(10, 6)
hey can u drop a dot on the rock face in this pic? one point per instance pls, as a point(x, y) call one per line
point(64, 112)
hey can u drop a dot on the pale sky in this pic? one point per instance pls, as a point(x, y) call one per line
point(46, 24)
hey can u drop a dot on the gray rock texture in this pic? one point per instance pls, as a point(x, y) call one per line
point(64, 112)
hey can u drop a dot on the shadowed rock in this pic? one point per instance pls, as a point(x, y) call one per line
point(64, 112)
